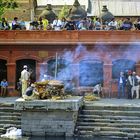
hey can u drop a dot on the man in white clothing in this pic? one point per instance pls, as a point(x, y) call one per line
point(57, 24)
point(24, 79)
point(134, 81)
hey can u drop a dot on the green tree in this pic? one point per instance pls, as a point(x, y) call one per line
point(6, 4)
point(64, 12)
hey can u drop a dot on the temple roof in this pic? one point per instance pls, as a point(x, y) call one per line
point(116, 7)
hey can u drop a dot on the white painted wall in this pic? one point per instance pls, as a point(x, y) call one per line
point(116, 7)
point(61, 2)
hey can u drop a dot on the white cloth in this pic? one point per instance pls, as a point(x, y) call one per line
point(57, 24)
point(134, 88)
point(24, 80)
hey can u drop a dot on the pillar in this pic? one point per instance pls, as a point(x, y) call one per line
point(11, 78)
point(107, 85)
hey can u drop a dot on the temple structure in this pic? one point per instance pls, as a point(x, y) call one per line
point(30, 8)
point(83, 57)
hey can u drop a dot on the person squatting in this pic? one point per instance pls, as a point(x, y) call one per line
point(128, 82)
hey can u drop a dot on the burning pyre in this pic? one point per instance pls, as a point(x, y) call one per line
point(49, 89)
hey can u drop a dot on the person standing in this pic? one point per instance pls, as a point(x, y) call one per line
point(24, 79)
point(4, 85)
point(121, 85)
point(129, 84)
point(134, 81)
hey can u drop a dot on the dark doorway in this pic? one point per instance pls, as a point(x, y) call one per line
point(91, 72)
point(3, 69)
point(31, 64)
point(122, 65)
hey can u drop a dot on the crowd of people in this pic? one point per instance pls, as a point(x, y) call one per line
point(129, 85)
point(68, 24)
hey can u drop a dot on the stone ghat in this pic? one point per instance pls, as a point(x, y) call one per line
point(49, 117)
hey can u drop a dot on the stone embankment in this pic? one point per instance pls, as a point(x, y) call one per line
point(9, 117)
point(112, 121)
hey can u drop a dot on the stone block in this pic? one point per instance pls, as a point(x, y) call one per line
point(45, 117)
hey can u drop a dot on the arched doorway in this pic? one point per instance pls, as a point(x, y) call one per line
point(122, 65)
point(91, 72)
point(60, 71)
point(31, 64)
point(3, 69)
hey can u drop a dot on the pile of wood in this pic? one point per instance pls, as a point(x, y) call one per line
point(49, 88)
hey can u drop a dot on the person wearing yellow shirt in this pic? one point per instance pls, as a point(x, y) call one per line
point(45, 23)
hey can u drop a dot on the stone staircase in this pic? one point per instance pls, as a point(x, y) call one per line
point(121, 122)
point(9, 117)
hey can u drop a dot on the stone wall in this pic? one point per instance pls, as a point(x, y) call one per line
point(48, 117)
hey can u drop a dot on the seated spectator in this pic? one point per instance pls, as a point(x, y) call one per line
point(137, 24)
point(97, 24)
point(35, 24)
point(127, 24)
point(57, 24)
point(112, 25)
point(40, 22)
point(15, 24)
point(83, 25)
point(22, 24)
point(49, 27)
point(4, 85)
point(64, 21)
point(70, 25)
point(45, 23)
point(4, 24)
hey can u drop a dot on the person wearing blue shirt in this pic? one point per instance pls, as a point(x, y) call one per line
point(4, 85)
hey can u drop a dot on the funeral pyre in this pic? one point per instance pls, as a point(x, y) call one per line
point(50, 89)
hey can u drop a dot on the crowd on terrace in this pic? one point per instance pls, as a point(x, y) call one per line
point(68, 24)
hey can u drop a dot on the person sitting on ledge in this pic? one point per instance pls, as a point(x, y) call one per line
point(4, 85)
point(15, 24)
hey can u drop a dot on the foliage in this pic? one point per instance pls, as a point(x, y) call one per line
point(64, 12)
point(6, 4)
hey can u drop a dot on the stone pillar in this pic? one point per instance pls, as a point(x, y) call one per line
point(107, 87)
point(33, 5)
point(138, 69)
point(11, 77)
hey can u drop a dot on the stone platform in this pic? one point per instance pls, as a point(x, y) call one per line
point(49, 117)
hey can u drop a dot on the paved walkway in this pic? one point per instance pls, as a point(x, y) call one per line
point(105, 101)
point(117, 102)
point(8, 100)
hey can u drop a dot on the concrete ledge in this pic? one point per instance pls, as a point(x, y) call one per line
point(71, 104)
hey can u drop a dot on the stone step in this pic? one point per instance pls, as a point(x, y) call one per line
point(103, 133)
point(111, 112)
point(7, 109)
point(13, 117)
point(2, 113)
point(10, 125)
point(111, 135)
point(90, 120)
point(10, 122)
point(120, 108)
point(108, 117)
point(98, 124)
point(96, 128)
point(6, 105)
point(2, 131)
